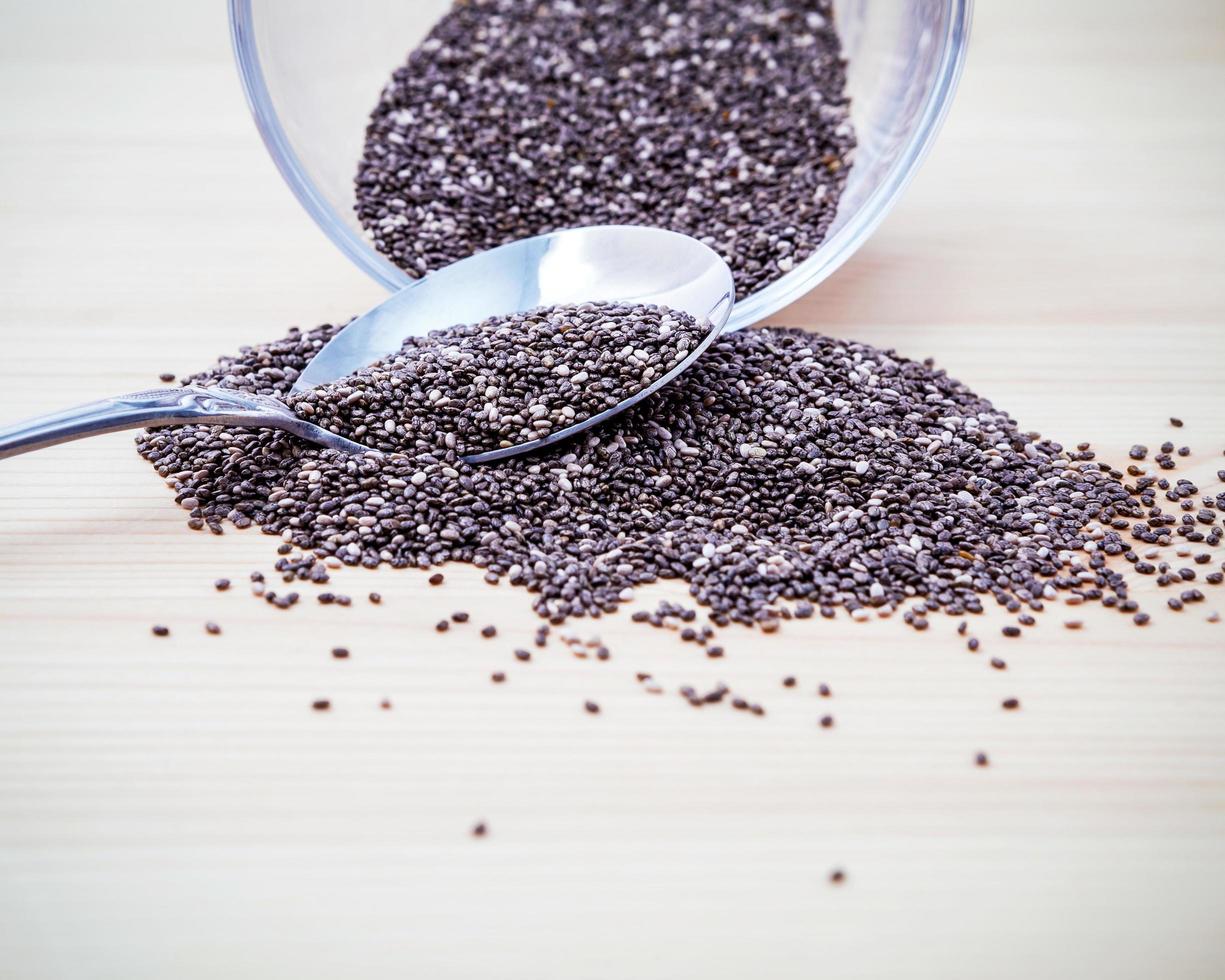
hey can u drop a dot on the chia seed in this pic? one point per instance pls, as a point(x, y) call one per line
point(723, 119)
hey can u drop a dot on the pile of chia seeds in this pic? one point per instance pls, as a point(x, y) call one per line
point(506, 381)
point(784, 471)
point(723, 119)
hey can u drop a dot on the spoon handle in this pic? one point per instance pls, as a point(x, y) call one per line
point(162, 406)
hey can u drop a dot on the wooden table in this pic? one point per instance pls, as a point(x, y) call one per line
point(173, 808)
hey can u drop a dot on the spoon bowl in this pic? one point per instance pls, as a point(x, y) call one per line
point(603, 263)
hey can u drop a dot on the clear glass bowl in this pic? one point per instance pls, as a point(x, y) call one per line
point(313, 69)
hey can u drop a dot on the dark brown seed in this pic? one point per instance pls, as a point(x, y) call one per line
point(523, 655)
point(1073, 624)
point(497, 677)
point(480, 829)
point(221, 584)
point(1010, 704)
point(459, 617)
point(489, 632)
point(981, 759)
point(442, 625)
point(1011, 631)
point(166, 377)
point(998, 664)
point(343, 600)
point(1141, 619)
point(823, 690)
point(160, 630)
point(591, 707)
point(972, 644)
point(385, 704)
point(375, 598)
point(827, 721)
point(1025, 619)
point(788, 682)
point(1177, 423)
point(340, 653)
point(212, 628)
point(437, 578)
point(837, 876)
point(714, 652)
point(321, 705)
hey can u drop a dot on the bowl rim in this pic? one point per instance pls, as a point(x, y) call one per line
point(828, 257)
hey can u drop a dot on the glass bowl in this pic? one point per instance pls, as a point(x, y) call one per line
point(313, 69)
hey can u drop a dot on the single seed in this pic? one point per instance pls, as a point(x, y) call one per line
point(160, 630)
point(221, 584)
point(1010, 704)
point(340, 653)
point(489, 631)
point(591, 707)
point(321, 705)
point(213, 629)
point(981, 759)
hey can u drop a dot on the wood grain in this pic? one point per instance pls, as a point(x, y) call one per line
point(172, 808)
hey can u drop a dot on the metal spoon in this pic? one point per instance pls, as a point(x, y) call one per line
point(610, 263)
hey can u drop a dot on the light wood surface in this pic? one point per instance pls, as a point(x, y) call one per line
point(173, 808)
